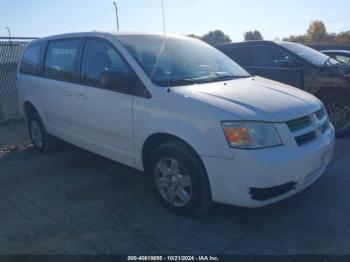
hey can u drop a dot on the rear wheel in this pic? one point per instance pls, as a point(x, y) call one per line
point(179, 179)
point(338, 108)
point(41, 140)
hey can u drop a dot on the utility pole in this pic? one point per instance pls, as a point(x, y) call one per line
point(116, 14)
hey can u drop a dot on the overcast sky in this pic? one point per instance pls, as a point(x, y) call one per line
point(274, 18)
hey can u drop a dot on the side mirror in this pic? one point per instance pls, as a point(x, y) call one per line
point(117, 81)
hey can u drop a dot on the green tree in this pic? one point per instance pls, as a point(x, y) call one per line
point(317, 31)
point(216, 37)
point(252, 35)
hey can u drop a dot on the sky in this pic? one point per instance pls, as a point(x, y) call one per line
point(274, 18)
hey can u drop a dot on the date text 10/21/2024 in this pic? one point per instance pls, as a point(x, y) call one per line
point(173, 258)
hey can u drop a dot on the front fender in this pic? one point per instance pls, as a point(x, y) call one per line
point(200, 129)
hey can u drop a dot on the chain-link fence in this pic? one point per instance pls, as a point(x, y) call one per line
point(10, 52)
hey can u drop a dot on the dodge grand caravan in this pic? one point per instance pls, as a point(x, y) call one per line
point(302, 67)
point(198, 124)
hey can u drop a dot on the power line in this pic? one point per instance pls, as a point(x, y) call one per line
point(88, 19)
point(80, 22)
point(300, 26)
point(157, 4)
point(72, 22)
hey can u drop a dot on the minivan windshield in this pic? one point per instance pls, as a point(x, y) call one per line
point(309, 54)
point(179, 61)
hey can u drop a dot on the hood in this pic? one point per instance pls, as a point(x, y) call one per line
point(339, 70)
point(255, 98)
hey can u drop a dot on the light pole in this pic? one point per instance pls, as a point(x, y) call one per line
point(9, 31)
point(116, 14)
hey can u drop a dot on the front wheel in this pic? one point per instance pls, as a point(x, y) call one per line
point(338, 108)
point(179, 180)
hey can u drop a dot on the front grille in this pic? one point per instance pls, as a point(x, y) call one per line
point(299, 123)
point(307, 128)
point(303, 139)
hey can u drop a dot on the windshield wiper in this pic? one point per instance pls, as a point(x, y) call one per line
point(198, 80)
point(177, 82)
point(222, 78)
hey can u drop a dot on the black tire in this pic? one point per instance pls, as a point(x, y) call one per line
point(200, 199)
point(333, 103)
point(48, 142)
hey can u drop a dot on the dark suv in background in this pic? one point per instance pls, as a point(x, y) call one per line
point(302, 67)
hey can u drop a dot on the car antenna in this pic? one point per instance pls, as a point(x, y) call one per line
point(165, 44)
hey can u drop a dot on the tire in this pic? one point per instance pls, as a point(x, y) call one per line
point(188, 200)
point(338, 107)
point(41, 140)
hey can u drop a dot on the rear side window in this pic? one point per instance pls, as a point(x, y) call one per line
point(242, 55)
point(31, 59)
point(61, 59)
point(272, 57)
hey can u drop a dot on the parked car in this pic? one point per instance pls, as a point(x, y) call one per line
point(302, 67)
point(198, 124)
point(340, 55)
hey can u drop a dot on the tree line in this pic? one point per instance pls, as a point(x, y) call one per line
point(315, 34)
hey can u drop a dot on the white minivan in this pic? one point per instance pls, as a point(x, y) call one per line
point(198, 124)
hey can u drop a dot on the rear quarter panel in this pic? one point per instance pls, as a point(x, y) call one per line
point(26, 93)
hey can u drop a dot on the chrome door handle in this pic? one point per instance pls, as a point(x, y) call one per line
point(81, 96)
point(67, 93)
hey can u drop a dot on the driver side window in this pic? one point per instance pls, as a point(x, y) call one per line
point(273, 57)
point(101, 58)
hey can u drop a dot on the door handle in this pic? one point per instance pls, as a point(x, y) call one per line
point(81, 96)
point(67, 93)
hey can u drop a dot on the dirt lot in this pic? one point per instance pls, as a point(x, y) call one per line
point(74, 202)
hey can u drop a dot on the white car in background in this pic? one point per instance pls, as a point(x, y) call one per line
point(198, 124)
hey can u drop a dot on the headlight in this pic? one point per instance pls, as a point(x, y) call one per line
point(251, 135)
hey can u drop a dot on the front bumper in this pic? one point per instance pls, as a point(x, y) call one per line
point(233, 181)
